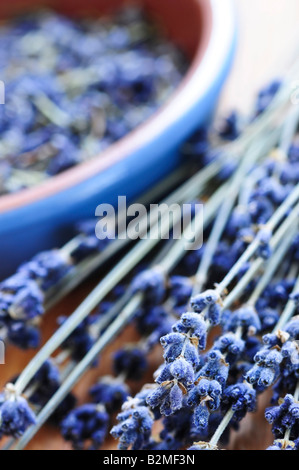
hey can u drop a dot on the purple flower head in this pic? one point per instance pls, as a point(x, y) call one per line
point(151, 319)
point(262, 375)
point(268, 357)
point(152, 283)
point(241, 398)
point(180, 289)
point(45, 384)
point(284, 417)
point(130, 361)
point(174, 379)
point(88, 422)
point(47, 268)
point(292, 328)
point(215, 368)
point(246, 318)
point(21, 298)
point(266, 96)
point(260, 209)
point(82, 338)
point(23, 335)
point(160, 331)
point(230, 126)
point(204, 398)
point(110, 392)
point(229, 344)
point(195, 326)
point(208, 302)
point(268, 317)
point(264, 237)
point(239, 219)
point(175, 344)
point(88, 246)
point(15, 414)
point(135, 423)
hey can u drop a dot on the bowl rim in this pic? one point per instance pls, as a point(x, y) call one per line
point(212, 51)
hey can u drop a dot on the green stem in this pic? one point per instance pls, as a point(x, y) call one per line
point(221, 428)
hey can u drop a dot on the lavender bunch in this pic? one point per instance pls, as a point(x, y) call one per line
point(208, 309)
point(129, 363)
point(91, 421)
point(22, 296)
point(284, 419)
point(188, 380)
point(39, 284)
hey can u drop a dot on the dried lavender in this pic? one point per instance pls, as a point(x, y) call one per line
point(177, 378)
point(39, 284)
point(181, 373)
point(75, 87)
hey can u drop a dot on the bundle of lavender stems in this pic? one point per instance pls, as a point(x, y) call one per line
point(222, 316)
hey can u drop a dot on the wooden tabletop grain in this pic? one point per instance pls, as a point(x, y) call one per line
point(267, 43)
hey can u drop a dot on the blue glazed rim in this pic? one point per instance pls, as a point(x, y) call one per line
point(41, 223)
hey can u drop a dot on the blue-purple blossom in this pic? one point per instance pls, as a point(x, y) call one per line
point(241, 398)
point(21, 298)
point(15, 414)
point(89, 422)
point(208, 303)
point(135, 423)
point(266, 96)
point(174, 381)
point(246, 318)
point(152, 284)
point(131, 362)
point(195, 326)
point(180, 289)
point(284, 417)
point(47, 268)
point(111, 392)
point(215, 368)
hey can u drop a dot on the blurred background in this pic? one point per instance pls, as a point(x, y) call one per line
point(268, 41)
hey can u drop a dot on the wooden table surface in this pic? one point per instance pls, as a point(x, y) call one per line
point(268, 33)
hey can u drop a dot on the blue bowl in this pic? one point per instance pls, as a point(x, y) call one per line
point(42, 217)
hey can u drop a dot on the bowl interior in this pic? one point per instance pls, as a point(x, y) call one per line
point(187, 22)
point(182, 20)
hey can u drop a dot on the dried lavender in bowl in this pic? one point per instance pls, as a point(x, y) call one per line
point(74, 87)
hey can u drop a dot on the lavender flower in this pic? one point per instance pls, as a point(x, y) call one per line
point(284, 417)
point(153, 285)
point(15, 414)
point(88, 422)
point(130, 361)
point(136, 422)
point(111, 392)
